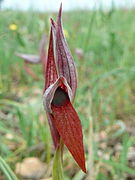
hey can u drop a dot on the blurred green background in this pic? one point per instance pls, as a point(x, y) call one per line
point(103, 46)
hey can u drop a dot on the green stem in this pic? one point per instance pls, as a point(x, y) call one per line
point(57, 173)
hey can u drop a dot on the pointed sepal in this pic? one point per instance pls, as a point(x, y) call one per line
point(69, 127)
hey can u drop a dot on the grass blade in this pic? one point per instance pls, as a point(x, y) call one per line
point(7, 170)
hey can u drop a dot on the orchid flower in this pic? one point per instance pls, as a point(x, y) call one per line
point(34, 59)
point(59, 93)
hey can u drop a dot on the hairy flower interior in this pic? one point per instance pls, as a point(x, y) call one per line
point(60, 97)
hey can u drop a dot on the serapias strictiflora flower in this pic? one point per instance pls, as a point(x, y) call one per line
point(59, 93)
point(35, 59)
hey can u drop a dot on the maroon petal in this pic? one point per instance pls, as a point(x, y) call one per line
point(54, 132)
point(50, 81)
point(64, 59)
point(68, 125)
point(50, 66)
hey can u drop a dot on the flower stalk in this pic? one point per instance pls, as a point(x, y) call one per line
point(57, 173)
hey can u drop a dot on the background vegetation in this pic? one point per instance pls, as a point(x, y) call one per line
point(103, 46)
